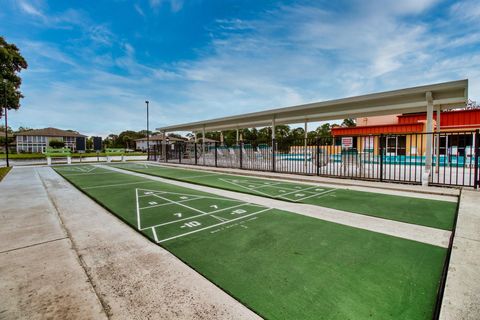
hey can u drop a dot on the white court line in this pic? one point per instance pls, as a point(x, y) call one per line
point(117, 184)
point(212, 226)
point(165, 204)
point(203, 175)
point(138, 209)
point(88, 173)
point(219, 218)
point(198, 215)
point(262, 184)
point(279, 196)
point(300, 190)
point(183, 194)
point(155, 234)
point(321, 194)
point(253, 190)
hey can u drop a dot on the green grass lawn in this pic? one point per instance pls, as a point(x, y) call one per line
point(4, 171)
point(279, 264)
point(425, 212)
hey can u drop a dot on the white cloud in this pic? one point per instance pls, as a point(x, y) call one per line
point(286, 56)
point(30, 9)
point(139, 9)
point(175, 5)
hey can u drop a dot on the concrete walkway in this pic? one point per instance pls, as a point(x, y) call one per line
point(62, 256)
point(461, 300)
point(40, 274)
point(418, 233)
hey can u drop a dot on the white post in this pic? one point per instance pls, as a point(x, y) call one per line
point(164, 145)
point(273, 127)
point(69, 160)
point(237, 137)
point(49, 161)
point(437, 140)
point(428, 145)
point(203, 144)
point(305, 147)
point(221, 137)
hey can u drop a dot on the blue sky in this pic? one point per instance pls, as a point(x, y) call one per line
point(92, 64)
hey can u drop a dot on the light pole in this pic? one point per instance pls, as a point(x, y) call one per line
point(6, 119)
point(148, 135)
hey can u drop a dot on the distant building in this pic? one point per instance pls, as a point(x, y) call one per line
point(37, 140)
point(403, 133)
point(141, 144)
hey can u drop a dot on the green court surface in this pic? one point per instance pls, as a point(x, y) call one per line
point(279, 264)
point(425, 212)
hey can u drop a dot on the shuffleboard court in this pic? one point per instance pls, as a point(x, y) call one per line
point(279, 264)
point(426, 212)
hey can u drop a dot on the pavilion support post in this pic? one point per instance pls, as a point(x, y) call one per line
point(437, 140)
point(305, 147)
point(221, 138)
point(164, 145)
point(203, 144)
point(273, 144)
point(428, 146)
point(273, 128)
point(238, 137)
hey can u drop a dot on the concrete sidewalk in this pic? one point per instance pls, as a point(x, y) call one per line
point(461, 298)
point(41, 276)
point(63, 256)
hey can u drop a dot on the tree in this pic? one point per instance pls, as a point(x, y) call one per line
point(23, 129)
point(349, 122)
point(56, 144)
point(11, 63)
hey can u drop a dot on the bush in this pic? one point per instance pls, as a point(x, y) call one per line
point(57, 144)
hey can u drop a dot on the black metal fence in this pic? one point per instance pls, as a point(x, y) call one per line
point(403, 158)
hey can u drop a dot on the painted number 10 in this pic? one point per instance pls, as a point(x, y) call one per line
point(192, 224)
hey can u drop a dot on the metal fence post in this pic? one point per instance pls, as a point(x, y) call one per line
point(273, 155)
point(381, 157)
point(241, 154)
point(195, 153)
point(216, 158)
point(180, 148)
point(476, 156)
point(318, 156)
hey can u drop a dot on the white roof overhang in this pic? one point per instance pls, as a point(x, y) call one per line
point(445, 95)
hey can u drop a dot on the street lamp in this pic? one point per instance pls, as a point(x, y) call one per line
point(148, 135)
point(6, 121)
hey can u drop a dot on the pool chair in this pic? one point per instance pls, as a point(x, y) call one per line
point(264, 150)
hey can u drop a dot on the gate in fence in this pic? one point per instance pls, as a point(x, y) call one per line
point(403, 158)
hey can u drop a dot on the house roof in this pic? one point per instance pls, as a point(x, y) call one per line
point(50, 132)
point(159, 137)
point(445, 95)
